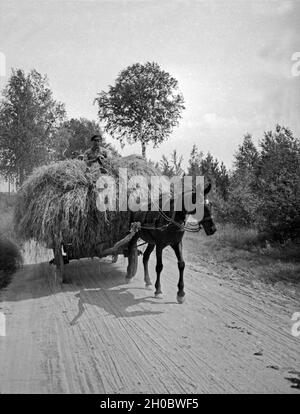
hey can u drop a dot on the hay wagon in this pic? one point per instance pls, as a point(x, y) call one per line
point(57, 207)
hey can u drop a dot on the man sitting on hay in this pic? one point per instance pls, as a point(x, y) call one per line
point(94, 156)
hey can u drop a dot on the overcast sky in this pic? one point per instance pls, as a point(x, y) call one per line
point(232, 59)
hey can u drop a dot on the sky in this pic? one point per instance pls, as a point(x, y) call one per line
point(232, 60)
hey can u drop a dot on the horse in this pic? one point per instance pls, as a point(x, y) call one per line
point(161, 229)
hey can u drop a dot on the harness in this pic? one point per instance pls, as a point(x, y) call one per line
point(171, 221)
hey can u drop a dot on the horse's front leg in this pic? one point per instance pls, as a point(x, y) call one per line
point(159, 268)
point(146, 256)
point(181, 265)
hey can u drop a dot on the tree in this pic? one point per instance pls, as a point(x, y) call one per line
point(265, 185)
point(278, 184)
point(75, 137)
point(223, 181)
point(173, 167)
point(29, 118)
point(213, 172)
point(177, 163)
point(242, 205)
point(194, 167)
point(143, 106)
point(247, 156)
point(165, 167)
point(211, 169)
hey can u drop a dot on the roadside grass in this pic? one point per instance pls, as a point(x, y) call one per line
point(239, 238)
point(245, 249)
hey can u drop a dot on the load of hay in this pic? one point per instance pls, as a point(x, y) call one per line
point(59, 200)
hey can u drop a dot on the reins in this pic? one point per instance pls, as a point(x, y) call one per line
point(171, 220)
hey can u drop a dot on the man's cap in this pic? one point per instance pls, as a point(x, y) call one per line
point(97, 137)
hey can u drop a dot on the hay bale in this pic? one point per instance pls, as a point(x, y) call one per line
point(59, 200)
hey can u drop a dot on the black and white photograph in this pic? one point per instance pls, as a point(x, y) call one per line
point(149, 199)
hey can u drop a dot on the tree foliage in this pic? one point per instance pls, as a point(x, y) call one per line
point(265, 185)
point(212, 170)
point(242, 204)
point(194, 167)
point(143, 106)
point(29, 118)
point(278, 184)
point(172, 167)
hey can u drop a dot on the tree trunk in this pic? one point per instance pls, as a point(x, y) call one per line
point(20, 176)
point(144, 150)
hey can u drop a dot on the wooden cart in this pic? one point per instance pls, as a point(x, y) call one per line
point(118, 248)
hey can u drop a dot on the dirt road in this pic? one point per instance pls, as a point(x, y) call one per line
point(100, 335)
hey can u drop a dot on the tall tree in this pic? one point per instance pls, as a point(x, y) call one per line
point(143, 106)
point(213, 172)
point(29, 117)
point(242, 205)
point(278, 184)
point(211, 169)
point(247, 155)
point(196, 157)
point(177, 163)
point(223, 181)
point(165, 167)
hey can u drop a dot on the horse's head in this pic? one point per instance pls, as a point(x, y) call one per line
point(207, 222)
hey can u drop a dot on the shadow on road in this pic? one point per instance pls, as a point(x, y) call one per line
point(107, 290)
point(115, 302)
point(94, 282)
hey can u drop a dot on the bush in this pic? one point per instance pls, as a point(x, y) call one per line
point(278, 185)
point(265, 186)
point(10, 260)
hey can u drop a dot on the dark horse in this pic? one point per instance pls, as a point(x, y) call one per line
point(160, 229)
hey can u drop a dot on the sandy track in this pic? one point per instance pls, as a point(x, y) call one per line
point(100, 335)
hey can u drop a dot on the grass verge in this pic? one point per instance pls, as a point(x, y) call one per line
point(245, 249)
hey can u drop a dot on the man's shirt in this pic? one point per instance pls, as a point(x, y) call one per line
point(91, 155)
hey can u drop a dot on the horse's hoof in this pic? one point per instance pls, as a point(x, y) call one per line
point(158, 295)
point(128, 280)
point(180, 299)
point(148, 286)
